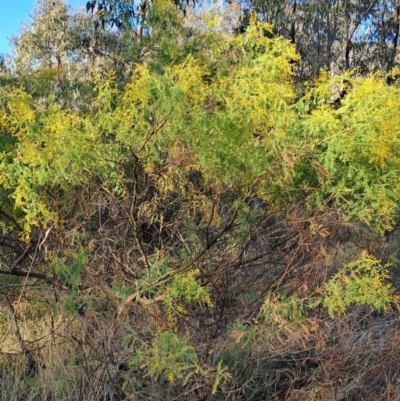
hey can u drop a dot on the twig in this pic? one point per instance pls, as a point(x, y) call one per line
point(21, 257)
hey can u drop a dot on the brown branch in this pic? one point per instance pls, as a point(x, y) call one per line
point(8, 217)
point(293, 26)
point(361, 18)
point(49, 280)
point(21, 257)
point(20, 273)
point(158, 125)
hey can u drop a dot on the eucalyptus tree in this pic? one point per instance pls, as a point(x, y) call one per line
point(334, 34)
point(149, 29)
point(46, 40)
point(57, 52)
point(55, 37)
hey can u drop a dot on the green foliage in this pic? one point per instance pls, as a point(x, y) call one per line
point(148, 285)
point(167, 356)
point(233, 123)
point(53, 149)
point(71, 274)
point(354, 148)
point(184, 289)
point(283, 311)
point(172, 358)
point(362, 282)
point(222, 375)
point(197, 123)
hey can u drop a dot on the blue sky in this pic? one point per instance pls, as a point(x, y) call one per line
point(13, 13)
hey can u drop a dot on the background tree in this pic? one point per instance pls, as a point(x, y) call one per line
point(336, 35)
point(47, 42)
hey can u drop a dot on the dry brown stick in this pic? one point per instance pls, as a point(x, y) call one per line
point(28, 274)
point(21, 257)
